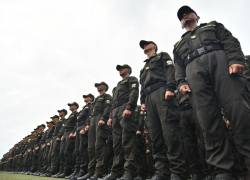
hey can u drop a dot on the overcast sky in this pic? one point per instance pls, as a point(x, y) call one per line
point(53, 51)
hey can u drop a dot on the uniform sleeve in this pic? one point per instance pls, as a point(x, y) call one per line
point(142, 95)
point(230, 44)
point(134, 93)
point(180, 70)
point(86, 115)
point(75, 129)
point(87, 123)
point(57, 129)
point(141, 122)
point(170, 72)
point(112, 106)
point(74, 124)
point(84, 118)
point(61, 130)
point(107, 108)
point(70, 123)
point(50, 134)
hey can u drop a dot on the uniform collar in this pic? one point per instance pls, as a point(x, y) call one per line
point(102, 95)
point(202, 24)
point(147, 60)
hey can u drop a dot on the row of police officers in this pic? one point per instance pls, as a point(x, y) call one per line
point(192, 122)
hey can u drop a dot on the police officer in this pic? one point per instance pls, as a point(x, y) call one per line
point(81, 144)
point(45, 158)
point(209, 62)
point(69, 136)
point(36, 150)
point(49, 171)
point(59, 161)
point(98, 133)
point(125, 96)
point(157, 97)
point(55, 146)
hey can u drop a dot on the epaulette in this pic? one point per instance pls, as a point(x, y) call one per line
point(210, 24)
point(177, 44)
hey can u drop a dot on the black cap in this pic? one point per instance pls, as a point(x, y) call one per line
point(55, 116)
point(50, 122)
point(89, 95)
point(119, 67)
point(184, 10)
point(73, 104)
point(63, 110)
point(102, 83)
point(42, 125)
point(143, 43)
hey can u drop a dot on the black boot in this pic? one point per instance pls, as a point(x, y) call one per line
point(175, 177)
point(48, 174)
point(160, 177)
point(55, 176)
point(197, 177)
point(111, 176)
point(95, 177)
point(80, 173)
point(85, 177)
point(139, 178)
point(72, 175)
point(224, 176)
point(127, 176)
point(61, 175)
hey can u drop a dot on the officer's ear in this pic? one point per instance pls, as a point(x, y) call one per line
point(198, 18)
point(156, 48)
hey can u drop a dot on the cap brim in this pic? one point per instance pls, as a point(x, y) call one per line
point(184, 10)
point(97, 84)
point(119, 67)
point(85, 96)
point(143, 43)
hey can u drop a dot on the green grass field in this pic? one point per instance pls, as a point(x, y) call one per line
point(12, 176)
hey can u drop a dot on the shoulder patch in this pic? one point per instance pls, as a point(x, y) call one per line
point(108, 101)
point(134, 85)
point(177, 44)
point(169, 62)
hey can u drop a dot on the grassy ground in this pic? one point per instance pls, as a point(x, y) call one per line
point(12, 176)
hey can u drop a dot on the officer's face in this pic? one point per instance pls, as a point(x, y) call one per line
point(61, 114)
point(189, 20)
point(56, 120)
point(87, 100)
point(124, 72)
point(101, 89)
point(72, 107)
point(49, 125)
point(149, 50)
point(41, 129)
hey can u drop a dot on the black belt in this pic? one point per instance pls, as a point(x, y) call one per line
point(120, 102)
point(148, 90)
point(201, 51)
